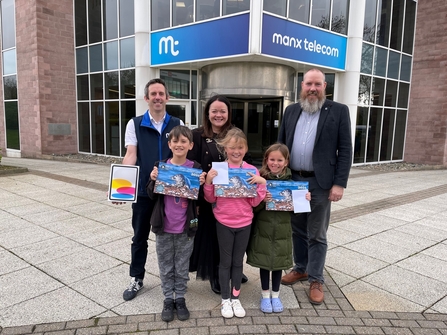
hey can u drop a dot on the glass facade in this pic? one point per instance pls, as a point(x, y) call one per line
point(9, 74)
point(172, 13)
point(327, 14)
point(105, 73)
point(105, 50)
point(384, 86)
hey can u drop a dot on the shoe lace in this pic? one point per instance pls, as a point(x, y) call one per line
point(180, 304)
point(226, 304)
point(316, 286)
point(133, 285)
point(168, 306)
point(236, 304)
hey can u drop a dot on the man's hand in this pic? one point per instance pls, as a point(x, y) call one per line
point(336, 193)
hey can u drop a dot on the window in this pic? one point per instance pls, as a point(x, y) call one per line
point(105, 71)
point(111, 55)
point(393, 65)
point(320, 13)
point(8, 24)
point(207, 9)
point(369, 25)
point(397, 25)
point(95, 58)
point(380, 62)
point(160, 10)
point(339, 17)
point(383, 22)
point(127, 25)
point(110, 19)
point(94, 21)
point(234, 6)
point(410, 18)
point(367, 58)
point(299, 10)
point(278, 7)
point(182, 12)
point(9, 62)
point(10, 87)
point(364, 98)
point(386, 142)
point(391, 93)
point(405, 70)
point(404, 92)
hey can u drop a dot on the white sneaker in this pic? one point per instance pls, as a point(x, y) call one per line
point(238, 310)
point(226, 309)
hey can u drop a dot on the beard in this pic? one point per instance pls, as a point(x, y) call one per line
point(312, 106)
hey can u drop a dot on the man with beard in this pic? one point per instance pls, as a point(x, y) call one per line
point(318, 135)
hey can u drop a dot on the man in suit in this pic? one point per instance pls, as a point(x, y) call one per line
point(318, 135)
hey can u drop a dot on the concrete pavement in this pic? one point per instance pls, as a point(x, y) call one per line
point(65, 252)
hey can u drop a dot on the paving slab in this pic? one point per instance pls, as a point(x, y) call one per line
point(409, 285)
point(353, 263)
point(47, 250)
point(426, 265)
point(376, 248)
point(62, 304)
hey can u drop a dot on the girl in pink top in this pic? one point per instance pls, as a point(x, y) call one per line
point(233, 220)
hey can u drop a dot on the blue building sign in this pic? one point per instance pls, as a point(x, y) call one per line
point(212, 39)
point(294, 41)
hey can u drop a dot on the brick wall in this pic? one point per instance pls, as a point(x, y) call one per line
point(46, 76)
point(427, 115)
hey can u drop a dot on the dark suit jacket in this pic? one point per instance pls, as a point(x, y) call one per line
point(332, 154)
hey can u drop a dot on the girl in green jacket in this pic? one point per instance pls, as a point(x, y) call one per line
point(270, 246)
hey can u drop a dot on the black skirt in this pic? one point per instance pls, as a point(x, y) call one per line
point(205, 256)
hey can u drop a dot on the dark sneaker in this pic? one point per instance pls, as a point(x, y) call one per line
point(167, 314)
point(133, 288)
point(182, 311)
point(244, 279)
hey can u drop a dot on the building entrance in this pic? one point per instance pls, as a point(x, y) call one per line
point(259, 119)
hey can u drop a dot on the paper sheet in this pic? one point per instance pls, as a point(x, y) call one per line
point(300, 204)
point(222, 173)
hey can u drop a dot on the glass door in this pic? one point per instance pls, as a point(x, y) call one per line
point(259, 119)
point(181, 110)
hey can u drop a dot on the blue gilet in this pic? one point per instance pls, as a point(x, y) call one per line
point(152, 146)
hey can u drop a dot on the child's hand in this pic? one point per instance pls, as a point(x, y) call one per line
point(255, 179)
point(210, 176)
point(202, 178)
point(154, 173)
point(308, 198)
point(268, 196)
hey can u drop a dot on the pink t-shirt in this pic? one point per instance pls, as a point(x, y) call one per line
point(175, 209)
point(235, 212)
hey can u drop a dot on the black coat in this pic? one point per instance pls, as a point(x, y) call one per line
point(332, 154)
